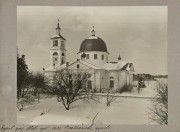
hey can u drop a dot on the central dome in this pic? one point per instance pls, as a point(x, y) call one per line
point(93, 43)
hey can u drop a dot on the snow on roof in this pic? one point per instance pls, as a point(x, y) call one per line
point(121, 65)
point(58, 36)
point(92, 37)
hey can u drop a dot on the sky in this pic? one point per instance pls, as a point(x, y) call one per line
point(137, 33)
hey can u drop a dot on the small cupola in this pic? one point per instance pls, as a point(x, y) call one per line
point(83, 56)
point(119, 58)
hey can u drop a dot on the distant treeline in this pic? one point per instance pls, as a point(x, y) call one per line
point(147, 77)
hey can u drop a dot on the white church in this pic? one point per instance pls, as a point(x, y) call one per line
point(92, 58)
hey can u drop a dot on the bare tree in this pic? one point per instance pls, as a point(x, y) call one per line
point(69, 85)
point(159, 109)
point(110, 97)
point(39, 83)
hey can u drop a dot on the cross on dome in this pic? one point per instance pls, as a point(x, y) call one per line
point(58, 27)
point(93, 32)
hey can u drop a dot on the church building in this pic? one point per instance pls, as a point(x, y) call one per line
point(92, 57)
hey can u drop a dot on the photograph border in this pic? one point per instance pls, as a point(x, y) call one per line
point(8, 53)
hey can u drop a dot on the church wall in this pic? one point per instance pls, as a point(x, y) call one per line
point(97, 61)
point(101, 80)
point(114, 74)
point(122, 78)
point(84, 68)
point(59, 49)
point(130, 75)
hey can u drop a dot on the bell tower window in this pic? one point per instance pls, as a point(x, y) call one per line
point(62, 45)
point(55, 43)
point(55, 58)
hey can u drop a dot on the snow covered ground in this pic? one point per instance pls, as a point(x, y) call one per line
point(124, 110)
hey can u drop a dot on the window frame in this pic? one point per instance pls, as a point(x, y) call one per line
point(95, 56)
point(78, 66)
point(87, 56)
point(55, 43)
point(102, 57)
point(89, 84)
point(111, 82)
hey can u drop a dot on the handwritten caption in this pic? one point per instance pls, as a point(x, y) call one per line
point(36, 128)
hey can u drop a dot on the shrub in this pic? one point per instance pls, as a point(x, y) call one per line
point(125, 88)
point(159, 109)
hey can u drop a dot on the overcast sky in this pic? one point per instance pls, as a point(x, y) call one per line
point(138, 33)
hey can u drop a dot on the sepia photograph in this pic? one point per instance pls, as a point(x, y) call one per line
point(83, 65)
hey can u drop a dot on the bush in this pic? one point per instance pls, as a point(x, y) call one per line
point(26, 100)
point(159, 109)
point(125, 88)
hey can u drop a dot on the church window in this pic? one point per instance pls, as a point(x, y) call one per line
point(102, 57)
point(111, 82)
point(55, 43)
point(55, 53)
point(55, 57)
point(62, 54)
point(89, 84)
point(87, 56)
point(95, 56)
point(77, 66)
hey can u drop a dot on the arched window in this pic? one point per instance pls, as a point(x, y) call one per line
point(62, 54)
point(55, 53)
point(55, 58)
point(111, 82)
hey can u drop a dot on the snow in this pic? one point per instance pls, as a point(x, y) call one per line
point(114, 66)
point(124, 110)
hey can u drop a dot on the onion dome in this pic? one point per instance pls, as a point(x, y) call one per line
point(119, 58)
point(93, 43)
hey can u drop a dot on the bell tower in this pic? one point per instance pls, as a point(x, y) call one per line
point(57, 49)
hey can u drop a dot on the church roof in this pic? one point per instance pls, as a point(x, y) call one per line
point(58, 36)
point(56, 68)
point(121, 65)
point(93, 43)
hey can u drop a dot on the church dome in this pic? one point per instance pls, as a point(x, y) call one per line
point(93, 44)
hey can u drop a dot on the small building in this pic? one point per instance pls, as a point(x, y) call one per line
point(92, 58)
